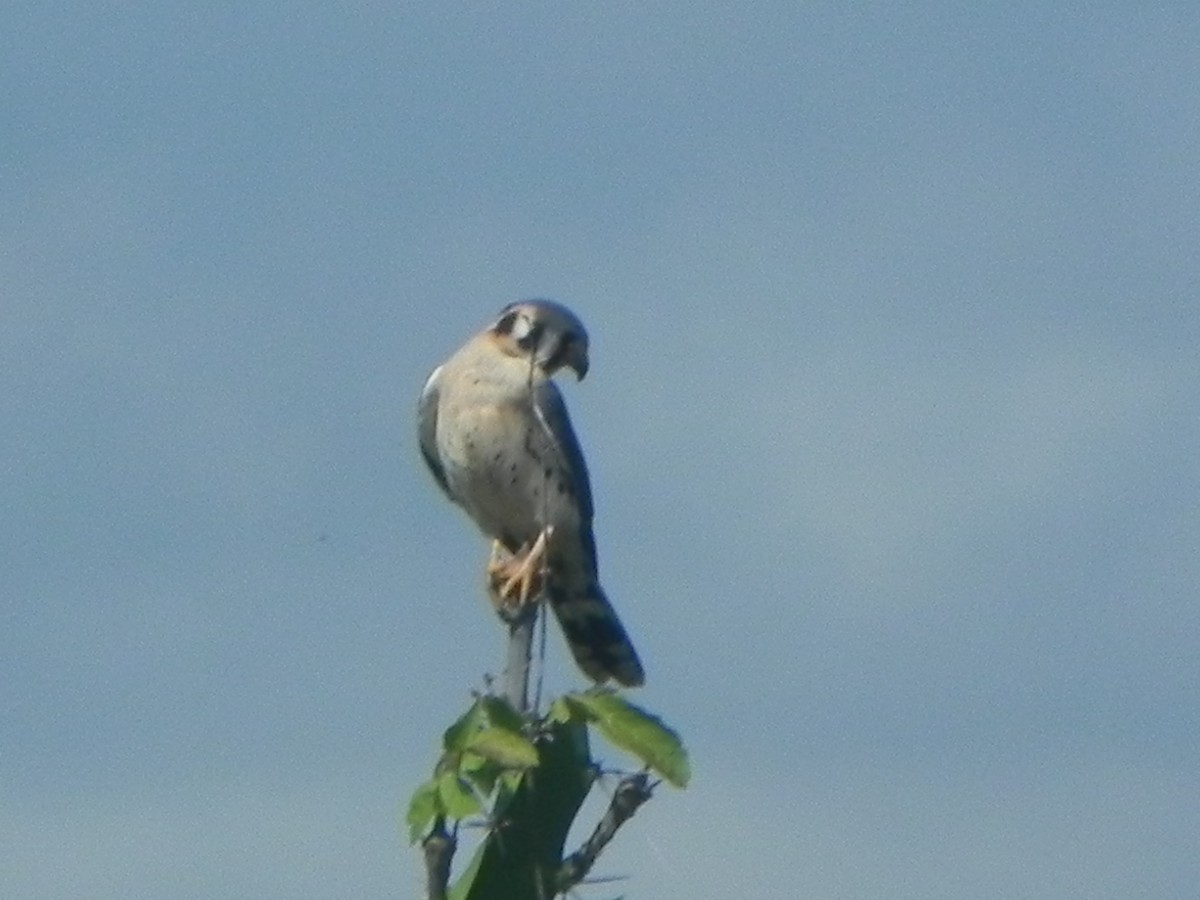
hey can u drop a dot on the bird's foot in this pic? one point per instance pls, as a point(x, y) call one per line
point(516, 578)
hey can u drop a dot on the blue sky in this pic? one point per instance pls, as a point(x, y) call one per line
point(891, 424)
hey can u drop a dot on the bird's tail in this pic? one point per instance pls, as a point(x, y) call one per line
point(595, 635)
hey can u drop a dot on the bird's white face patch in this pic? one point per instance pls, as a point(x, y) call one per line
point(521, 327)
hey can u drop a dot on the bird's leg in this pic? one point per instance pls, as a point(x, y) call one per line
point(498, 563)
point(515, 578)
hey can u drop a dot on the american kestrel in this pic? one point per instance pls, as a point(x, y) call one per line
point(495, 433)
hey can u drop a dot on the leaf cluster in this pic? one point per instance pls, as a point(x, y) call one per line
point(484, 754)
point(487, 751)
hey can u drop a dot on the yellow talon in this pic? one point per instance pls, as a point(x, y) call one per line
point(515, 578)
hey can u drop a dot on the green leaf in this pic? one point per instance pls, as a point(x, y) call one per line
point(457, 797)
point(500, 713)
point(472, 763)
point(511, 750)
point(633, 729)
point(561, 712)
point(456, 736)
point(510, 781)
point(481, 772)
point(424, 805)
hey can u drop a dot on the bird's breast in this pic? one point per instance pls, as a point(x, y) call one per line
point(494, 470)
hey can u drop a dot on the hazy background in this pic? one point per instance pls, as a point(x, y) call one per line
point(892, 424)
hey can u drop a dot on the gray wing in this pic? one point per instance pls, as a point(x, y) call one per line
point(427, 412)
point(552, 414)
point(594, 632)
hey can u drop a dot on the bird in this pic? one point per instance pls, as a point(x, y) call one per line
point(494, 431)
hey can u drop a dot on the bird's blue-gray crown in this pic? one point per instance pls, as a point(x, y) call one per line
point(547, 333)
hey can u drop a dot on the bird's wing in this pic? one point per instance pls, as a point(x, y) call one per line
point(594, 632)
point(427, 413)
point(552, 415)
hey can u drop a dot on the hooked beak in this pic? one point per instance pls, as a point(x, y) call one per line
point(577, 360)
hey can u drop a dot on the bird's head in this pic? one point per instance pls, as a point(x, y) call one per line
point(545, 332)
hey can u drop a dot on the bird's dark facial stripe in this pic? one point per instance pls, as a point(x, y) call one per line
point(532, 336)
point(506, 322)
